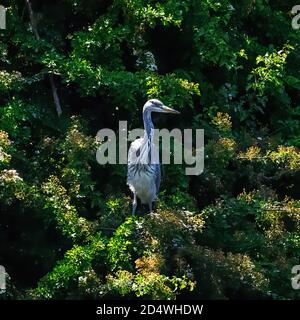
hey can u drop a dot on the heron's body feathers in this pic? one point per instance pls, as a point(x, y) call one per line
point(143, 176)
point(143, 184)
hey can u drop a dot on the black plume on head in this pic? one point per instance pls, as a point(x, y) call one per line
point(156, 102)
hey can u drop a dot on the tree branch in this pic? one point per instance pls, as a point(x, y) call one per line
point(51, 78)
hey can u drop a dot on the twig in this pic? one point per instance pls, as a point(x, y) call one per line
point(104, 228)
point(282, 209)
point(51, 78)
point(55, 95)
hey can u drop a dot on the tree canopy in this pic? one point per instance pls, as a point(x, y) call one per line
point(231, 67)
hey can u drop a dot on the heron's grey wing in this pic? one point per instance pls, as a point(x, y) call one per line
point(130, 165)
point(157, 177)
point(133, 154)
point(155, 159)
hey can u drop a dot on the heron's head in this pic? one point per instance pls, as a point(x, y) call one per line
point(154, 105)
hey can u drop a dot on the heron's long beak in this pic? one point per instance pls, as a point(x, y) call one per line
point(170, 110)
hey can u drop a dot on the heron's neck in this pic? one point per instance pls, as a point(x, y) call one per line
point(148, 125)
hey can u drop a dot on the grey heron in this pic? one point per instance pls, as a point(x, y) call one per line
point(143, 176)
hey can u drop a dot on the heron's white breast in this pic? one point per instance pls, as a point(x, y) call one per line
point(144, 186)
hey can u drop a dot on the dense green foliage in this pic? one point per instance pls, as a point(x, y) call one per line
point(231, 67)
